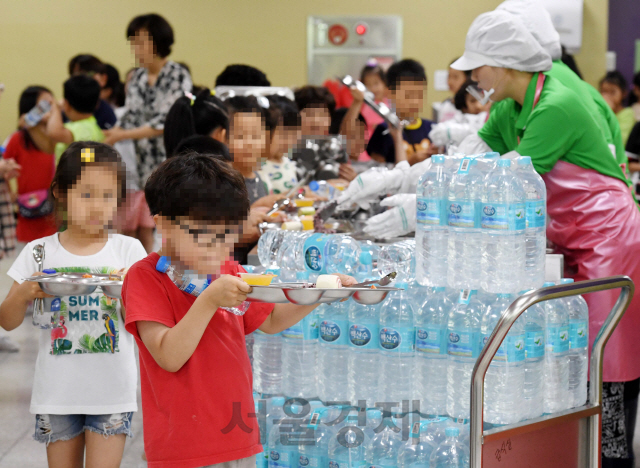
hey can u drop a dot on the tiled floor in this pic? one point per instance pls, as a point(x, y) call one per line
point(17, 448)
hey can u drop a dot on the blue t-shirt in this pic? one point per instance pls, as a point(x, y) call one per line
point(416, 139)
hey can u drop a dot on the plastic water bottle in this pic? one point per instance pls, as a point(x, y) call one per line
point(397, 347)
point(487, 162)
point(333, 343)
point(267, 359)
point(578, 347)
point(314, 455)
point(268, 247)
point(416, 452)
point(363, 354)
point(349, 438)
point(503, 231)
point(463, 348)
point(534, 329)
point(330, 253)
point(382, 450)
point(299, 354)
point(275, 413)
point(364, 271)
point(282, 452)
point(323, 189)
point(399, 257)
point(504, 381)
point(536, 222)
point(432, 230)
point(465, 235)
point(556, 357)
point(262, 459)
point(432, 360)
point(450, 453)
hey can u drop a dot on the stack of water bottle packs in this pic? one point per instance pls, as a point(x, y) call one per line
point(480, 243)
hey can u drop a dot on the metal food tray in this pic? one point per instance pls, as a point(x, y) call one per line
point(296, 293)
point(73, 284)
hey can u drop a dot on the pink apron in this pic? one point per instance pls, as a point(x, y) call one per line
point(596, 225)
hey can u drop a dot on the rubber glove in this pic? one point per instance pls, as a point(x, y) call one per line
point(450, 132)
point(372, 184)
point(397, 221)
point(513, 155)
point(410, 181)
point(473, 144)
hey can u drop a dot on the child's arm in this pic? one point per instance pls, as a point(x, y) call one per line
point(117, 134)
point(14, 306)
point(284, 316)
point(55, 127)
point(171, 347)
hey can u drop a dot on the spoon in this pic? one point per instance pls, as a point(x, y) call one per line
point(382, 281)
point(38, 256)
point(277, 205)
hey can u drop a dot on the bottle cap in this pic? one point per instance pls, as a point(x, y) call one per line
point(366, 258)
point(163, 264)
point(273, 271)
point(452, 432)
point(474, 162)
point(438, 159)
point(439, 289)
point(401, 285)
point(548, 283)
point(504, 162)
point(524, 160)
point(314, 185)
point(277, 401)
point(48, 271)
point(302, 275)
point(491, 155)
point(504, 296)
point(474, 292)
point(566, 281)
point(248, 268)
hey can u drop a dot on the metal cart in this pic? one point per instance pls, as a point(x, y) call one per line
point(562, 440)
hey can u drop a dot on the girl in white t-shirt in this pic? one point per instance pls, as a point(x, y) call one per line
point(84, 389)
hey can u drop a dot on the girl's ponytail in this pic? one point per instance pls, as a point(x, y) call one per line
point(179, 124)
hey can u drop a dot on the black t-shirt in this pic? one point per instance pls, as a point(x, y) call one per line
point(633, 142)
point(416, 138)
point(104, 114)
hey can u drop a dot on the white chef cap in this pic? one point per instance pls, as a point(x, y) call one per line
point(538, 21)
point(499, 39)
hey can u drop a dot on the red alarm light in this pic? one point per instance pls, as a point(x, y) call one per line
point(361, 29)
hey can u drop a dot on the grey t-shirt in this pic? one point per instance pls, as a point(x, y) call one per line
point(256, 188)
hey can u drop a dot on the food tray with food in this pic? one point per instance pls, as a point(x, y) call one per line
point(79, 284)
point(306, 294)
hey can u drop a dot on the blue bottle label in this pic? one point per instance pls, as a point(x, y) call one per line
point(463, 343)
point(534, 344)
point(431, 211)
point(536, 213)
point(382, 466)
point(503, 216)
point(462, 214)
point(431, 339)
point(311, 462)
point(578, 334)
point(511, 350)
point(314, 258)
point(279, 459)
point(364, 335)
point(557, 339)
point(334, 332)
point(346, 464)
point(305, 329)
point(397, 339)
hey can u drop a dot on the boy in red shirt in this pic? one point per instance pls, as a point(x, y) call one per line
point(194, 368)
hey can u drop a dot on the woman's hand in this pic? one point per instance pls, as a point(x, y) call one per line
point(9, 168)
point(347, 172)
point(113, 135)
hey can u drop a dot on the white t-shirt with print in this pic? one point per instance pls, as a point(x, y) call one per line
point(82, 368)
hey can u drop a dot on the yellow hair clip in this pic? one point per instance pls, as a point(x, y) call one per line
point(87, 155)
point(213, 92)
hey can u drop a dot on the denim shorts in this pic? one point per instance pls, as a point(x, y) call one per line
point(54, 427)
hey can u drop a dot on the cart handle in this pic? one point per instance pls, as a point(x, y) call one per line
point(517, 308)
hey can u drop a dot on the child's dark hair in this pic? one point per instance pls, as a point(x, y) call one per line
point(242, 75)
point(245, 104)
point(405, 70)
point(617, 79)
point(188, 117)
point(29, 100)
point(286, 109)
point(82, 93)
point(71, 163)
point(203, 145)
point(115, 85)
point(314, 96)
point(199, 187)
point(460, 98)
point(86, 63)
point(372, 68)
point(338, 117)
point(159, 30)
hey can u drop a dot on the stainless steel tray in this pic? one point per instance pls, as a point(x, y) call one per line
point(295, 293)
point(73, 284)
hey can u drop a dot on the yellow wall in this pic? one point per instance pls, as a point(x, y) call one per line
point(38, 37)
